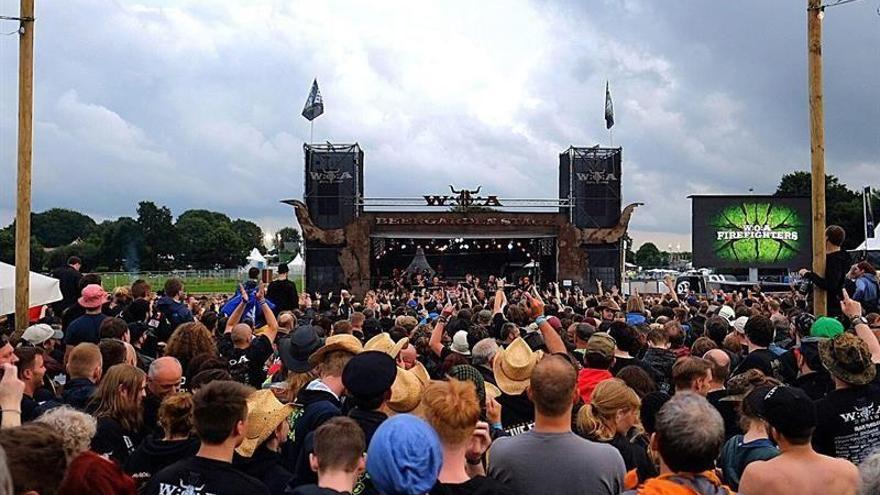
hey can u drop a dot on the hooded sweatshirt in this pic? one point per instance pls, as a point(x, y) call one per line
point(175, 311)
point(155, 454)
point(588, 379)
point(78, 392)
point(661, 360)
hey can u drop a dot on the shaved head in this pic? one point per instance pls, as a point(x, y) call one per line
point(720, 364)
point(241, 334)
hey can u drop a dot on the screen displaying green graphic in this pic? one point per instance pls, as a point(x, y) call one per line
point(751, 231)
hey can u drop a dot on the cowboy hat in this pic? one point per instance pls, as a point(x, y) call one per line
point(265, 413)
point(513, 367)
point(340, 342)
point(421, 373)
point(382, 342)
point(406, 392)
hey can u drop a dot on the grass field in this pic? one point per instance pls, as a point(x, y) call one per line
point(193, 284)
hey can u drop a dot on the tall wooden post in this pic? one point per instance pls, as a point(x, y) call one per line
point(817, 146)
point(25, 155)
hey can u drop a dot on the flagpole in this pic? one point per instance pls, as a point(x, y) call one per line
point(611, 136)
point(865, 200)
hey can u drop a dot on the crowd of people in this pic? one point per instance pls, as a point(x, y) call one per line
point(428, 386)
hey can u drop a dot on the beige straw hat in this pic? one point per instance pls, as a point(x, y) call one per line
point(406, 392)
point(265, 413)
point(340, 342)
point(383, 342)
point(513, 367)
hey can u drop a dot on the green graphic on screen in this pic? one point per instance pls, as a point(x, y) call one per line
point(757, 232)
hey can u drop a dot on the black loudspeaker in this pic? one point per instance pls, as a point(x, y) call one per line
point(591, 179)
point(334, 183)
point(603, 263)
point(334, 186)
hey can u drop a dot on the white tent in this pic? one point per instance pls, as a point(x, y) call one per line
point(871, 244)
point(44, 290)
point(256, 259)
point(298, 264)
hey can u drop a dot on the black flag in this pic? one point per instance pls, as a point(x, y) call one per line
point(609, 108)
point(314, 104)
point(869, 214)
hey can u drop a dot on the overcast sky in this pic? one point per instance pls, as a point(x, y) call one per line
point(195, 104)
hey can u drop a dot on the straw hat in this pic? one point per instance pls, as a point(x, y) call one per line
point(421, 373)
point(265, 413)
point(406, 392)
point(492, 392)
point(340, 342)
point(382, 342)
point(513, 367)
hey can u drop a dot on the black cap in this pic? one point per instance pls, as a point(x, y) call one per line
point(282, 268)
point(296, 348)
point(790, 411)
point(369, 374)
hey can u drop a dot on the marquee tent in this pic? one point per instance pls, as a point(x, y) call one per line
point(44, 290)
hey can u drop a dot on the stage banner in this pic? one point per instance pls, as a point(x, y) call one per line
point(751, 232)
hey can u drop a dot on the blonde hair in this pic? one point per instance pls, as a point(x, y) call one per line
point(118, 396)
point(296, 381)
point(595, 420)
point(635, 305)
point(452, 409)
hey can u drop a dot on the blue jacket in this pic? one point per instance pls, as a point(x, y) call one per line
point(175, 311)
point(866, 288)
point(250, 309)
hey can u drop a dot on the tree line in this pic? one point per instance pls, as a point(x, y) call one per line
point(154, 241)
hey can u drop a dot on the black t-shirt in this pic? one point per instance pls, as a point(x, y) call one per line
point(200, 475)
point(837, 265)
point(283, 295)
point(848, 423)
point(113, 441)
point(478, 485)
point(727, 409)
point(86, 328)
point(248, 365)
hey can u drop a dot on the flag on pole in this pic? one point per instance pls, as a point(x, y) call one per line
point(869, 214)
point(314, 104)
point(609, 108)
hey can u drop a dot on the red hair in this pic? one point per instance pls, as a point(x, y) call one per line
point(91, 473)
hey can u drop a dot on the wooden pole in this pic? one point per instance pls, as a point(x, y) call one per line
point(817, 146)
point(25, 155)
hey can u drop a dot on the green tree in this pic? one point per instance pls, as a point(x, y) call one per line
point(58, 226)
point(289, 237)
point(648, 256)
point(207, 240)
point(120, 246)
point(251, 235)
point(158, 235)
point(842, 206)
point(7, 249)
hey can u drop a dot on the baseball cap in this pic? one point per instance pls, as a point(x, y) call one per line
point(826, 328)
point(739, 324)
point(727, 313)
point(789, 410)
point(601, 343)
point(283, 268)
point(41, 332)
